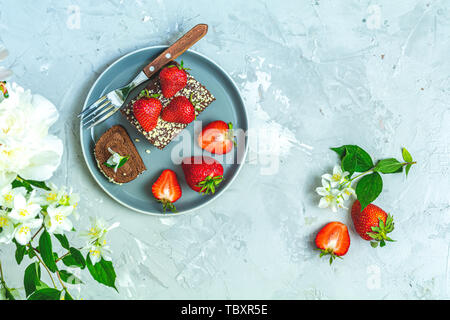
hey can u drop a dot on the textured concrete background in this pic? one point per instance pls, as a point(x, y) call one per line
point(315, 74)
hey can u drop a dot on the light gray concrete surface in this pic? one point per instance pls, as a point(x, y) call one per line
point(314, 74)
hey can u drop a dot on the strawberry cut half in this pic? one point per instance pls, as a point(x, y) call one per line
point(333, 240)
point(217, 137)
point(167, 190)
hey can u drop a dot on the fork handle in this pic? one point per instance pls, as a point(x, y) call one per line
point(176, 49)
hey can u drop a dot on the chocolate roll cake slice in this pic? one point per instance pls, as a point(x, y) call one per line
point(117, 157)
point(165, 131)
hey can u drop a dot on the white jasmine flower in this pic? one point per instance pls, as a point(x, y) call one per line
point(98, 230)
point(57, 221)
point(97, 252)
point(7, 195)
point(330, 196)
point(26, 148)
point(60, 196)
point(337, 178)
point(23, 233)
point(6, 227)
point(23, 209)
point(346, 193)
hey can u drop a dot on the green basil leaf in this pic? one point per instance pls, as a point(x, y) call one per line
point(369, 188)
point(68, 277)
point(63, 240)
point(103, 272)
point(32, 278)
point(45, 246)
point(390, 165)
point(20, 252)
point(46, 294)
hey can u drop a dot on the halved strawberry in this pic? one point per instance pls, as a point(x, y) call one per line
point(333, 240)
point(167, 190)
point(147, 109)
point(172, 78)
point(217, 137)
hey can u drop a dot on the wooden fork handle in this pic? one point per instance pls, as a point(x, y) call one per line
point(176, 49)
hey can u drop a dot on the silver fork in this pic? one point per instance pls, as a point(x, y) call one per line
point(113, 101)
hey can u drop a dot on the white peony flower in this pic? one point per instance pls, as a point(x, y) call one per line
point(23, 233)
point(6, 227)
point(23, 209)
point(57, 221)
point(7, 195)
point(337, 178)
point(26, 148)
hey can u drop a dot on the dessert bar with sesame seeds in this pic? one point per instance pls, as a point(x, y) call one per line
point(164, 132)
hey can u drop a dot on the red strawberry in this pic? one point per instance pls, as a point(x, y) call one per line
point(333, 239)
point(180, 110)
point(203, 174)
point(172, 78)
point(217, 137)
point(167, 189)
point(147, 109)
point(372, 223)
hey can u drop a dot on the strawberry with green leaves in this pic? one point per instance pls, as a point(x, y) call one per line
point(203, 174)
point(372, 223)
point(179, 110)
point(146, 110)
point(172, 78)
point(333, 240)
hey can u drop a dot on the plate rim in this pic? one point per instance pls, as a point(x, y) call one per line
point(222, 190)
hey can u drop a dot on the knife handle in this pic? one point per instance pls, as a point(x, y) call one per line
point(176, 49)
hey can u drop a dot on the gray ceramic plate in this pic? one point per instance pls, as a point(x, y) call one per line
point(228, 106)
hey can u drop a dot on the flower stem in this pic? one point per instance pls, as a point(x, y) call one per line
point(37, 232)
point(371, 170)
point(42, 262)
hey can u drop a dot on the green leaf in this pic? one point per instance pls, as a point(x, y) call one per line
point(349, 163)
point(8, 293)
point(68, 277)
point(67, 296)
point(103, 272)
point(368, 188)
point(406, 155)
point(46, 294)
point(390, 165)
point(20, 252)
point(32, 278)
point(75, 259)
point(45, 247)
point(38, 184)
point(62, 240)
point(408, 158)
point(363, 160)
point(20, 183)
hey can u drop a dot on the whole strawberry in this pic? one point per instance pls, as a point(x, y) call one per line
point(147, 109)
point(333, 239)
point(202, 174)
point(217, 137)
point(172, 78)
point(372, 224)
point(180, 110)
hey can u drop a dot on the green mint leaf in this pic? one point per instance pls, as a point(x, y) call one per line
point(20, 251)
point(63, 240)
point(45, 246)
point(123, 161)
point(68, 277)
point(103, 272)
point(32, 278)
point(363, 160)
point(369, 188)
point(46, 294)
point(390, 165)
point(406, 155)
